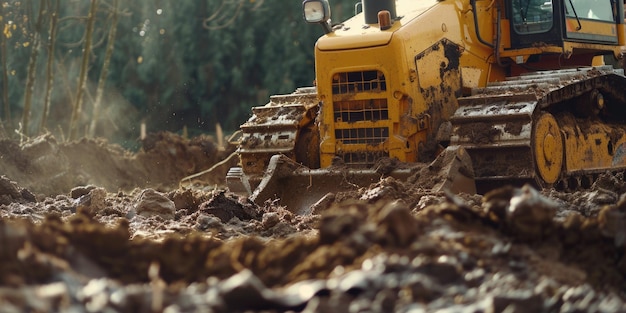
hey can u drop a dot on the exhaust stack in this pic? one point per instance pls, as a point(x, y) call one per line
point(372, 7)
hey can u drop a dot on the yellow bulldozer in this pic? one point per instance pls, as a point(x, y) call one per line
point(488, 92)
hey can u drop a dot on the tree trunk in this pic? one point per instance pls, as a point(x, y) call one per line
point(54, 18)
point(5, 75)
point(105, 70)
point(32, 67)
point(78, 101)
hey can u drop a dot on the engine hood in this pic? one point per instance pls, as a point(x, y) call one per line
point(344, 42)
point(355, 33)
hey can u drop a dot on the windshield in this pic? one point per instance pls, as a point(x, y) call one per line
point(532, 16)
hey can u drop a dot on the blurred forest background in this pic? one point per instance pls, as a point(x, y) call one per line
point(100, 68)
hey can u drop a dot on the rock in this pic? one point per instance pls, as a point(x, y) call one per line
point(384, 301)
point(185, 199)
point(423, 289)
point(602, 196)
point(517, 302)
point(496, 201)
point(528, 197)
point(27, 195)
point(386, 188)
point(93, 202)
point(153, 203)
point(526, 213)
point(611, 182)
point(206, 222)
point(397, 224)
point(244, 291)
point(80, 191)
point(444, 271)
point(8, 188)
point(357, 282)
point(270, 220)
point(428, 200)
point(10, 192)
point(339, 225)
point(612, 222)
point(226, 206)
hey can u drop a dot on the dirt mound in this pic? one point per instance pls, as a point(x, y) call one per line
point(383, 256)
point(394, 246)
point(45, 166)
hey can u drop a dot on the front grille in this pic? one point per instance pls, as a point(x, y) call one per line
point(362, 81)
point(370, 136)
point(361, 110)
point(363, 159)
point(360, 97)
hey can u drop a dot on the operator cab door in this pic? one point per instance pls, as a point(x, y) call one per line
point(552, 22)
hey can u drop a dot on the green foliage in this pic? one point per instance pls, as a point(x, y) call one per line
point(175, 63)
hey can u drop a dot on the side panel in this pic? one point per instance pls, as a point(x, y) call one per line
point(439, 79)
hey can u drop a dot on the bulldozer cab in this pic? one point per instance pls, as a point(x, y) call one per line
point(559, 22)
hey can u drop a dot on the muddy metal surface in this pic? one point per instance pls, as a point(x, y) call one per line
point(87, 227)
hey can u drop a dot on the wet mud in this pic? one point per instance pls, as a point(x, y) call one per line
point(124, 236)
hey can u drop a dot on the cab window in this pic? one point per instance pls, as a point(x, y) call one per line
point(532, 16)
point(601, 10)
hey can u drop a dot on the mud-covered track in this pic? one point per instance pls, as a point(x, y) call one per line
point(274, 129)
point(551, 129)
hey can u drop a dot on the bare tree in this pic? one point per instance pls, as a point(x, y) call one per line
point(54, 18)
point(222, 19)
point(77, 108)
point(32, 65)
point(3, 132)
point(5, 73)
point(105, 68)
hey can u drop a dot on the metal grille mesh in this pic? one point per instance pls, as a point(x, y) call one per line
point(348, 108)
point(370, 136)
point(361, 110)
point(354, 82)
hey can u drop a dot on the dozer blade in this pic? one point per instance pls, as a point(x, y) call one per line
point(454, 171)
point(298, 188)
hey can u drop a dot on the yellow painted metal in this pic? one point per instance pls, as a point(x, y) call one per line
point(567, 49)
point(591, 27)
point(592, 148)
point(421, 66)
point(432, 55)
point(548, 147)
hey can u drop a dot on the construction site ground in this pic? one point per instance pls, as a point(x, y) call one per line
point(89, 227)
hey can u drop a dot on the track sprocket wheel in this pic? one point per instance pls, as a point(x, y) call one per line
point(548, 148)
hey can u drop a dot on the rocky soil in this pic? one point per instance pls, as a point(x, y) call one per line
point(89, 227)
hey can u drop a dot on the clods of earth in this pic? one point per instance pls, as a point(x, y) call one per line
point(88, 227)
